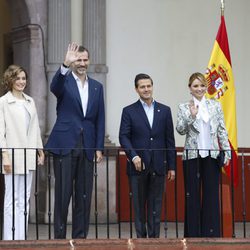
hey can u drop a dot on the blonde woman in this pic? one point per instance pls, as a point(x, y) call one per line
point(19, 129)
point(202, 121)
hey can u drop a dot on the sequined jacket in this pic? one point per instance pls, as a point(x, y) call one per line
point(186, 125)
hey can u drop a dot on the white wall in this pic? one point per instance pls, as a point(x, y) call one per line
point(169, 40)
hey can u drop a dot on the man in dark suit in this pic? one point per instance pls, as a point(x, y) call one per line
point(147, 136)
point(77, 135)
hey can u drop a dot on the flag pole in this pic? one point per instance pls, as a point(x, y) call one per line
point(222, 7)
point(227, 213)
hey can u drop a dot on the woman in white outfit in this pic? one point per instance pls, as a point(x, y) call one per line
point(19, 130)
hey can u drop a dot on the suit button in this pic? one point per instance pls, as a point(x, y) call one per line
point(151, 139)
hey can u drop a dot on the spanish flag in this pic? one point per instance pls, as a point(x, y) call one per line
point(221, 86)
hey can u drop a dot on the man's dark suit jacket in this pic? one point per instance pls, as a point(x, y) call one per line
point(156, 145)
point(71, 123)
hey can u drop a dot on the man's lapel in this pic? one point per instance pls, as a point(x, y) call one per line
point(75, 91)
point(92, 93)
point(157, 113)
point(140, 110)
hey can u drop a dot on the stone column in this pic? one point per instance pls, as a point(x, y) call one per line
point(59, 36)
point(28, 52)
point(76, 21)
point(94, 39)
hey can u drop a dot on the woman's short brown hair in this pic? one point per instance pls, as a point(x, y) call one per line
point(197, 75)
point(10, 75)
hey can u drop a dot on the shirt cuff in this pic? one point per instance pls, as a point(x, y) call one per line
point(134, 157)
point(64, 70)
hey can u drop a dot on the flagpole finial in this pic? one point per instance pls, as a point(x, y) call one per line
point(222, 7)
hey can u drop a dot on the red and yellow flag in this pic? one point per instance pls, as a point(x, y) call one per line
point(221, 86)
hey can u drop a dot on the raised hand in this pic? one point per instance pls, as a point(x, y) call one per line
point(193, 109)
point(71, 55)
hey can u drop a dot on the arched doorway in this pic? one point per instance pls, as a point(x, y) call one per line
point(6, 53)
point(23, 25)
point(24, 44)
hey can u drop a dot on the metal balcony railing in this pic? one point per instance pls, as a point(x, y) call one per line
point(112, 208)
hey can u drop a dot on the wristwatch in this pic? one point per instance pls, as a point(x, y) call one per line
point(65, 66)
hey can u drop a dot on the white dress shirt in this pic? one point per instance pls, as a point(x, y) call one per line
point(204, 143)
point(149, 110)
point(20, 106)
point(83, 91)
point(82, 88)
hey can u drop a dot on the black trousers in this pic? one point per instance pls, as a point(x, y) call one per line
point(147, 191)
point(202, 209)
point(73, 176)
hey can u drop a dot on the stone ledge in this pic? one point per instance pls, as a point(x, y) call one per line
point(201, 243)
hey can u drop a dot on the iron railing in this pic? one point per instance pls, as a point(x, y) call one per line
point(112, 208)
